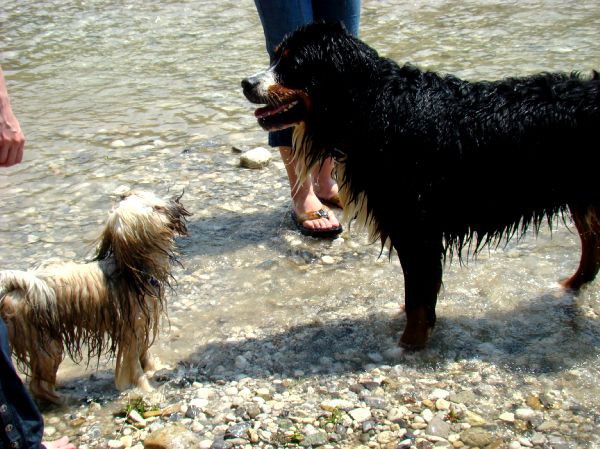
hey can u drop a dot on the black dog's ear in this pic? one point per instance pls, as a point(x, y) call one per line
point(323, 26)
point(339, 26)
point(336, 27)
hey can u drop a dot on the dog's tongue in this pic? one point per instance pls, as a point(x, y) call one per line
point(268, 110)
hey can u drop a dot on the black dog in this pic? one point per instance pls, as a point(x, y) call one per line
point(435, 165)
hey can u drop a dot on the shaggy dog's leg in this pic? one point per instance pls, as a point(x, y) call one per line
point(44, 366)
point(131, 354)
point(147, 361)
point(421, 261)
point(587, 222)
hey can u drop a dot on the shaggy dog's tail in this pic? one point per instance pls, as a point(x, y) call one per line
point(29, 296)
point(29, 307)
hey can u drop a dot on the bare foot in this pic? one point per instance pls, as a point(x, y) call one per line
point(305, 202)
point(325, 187)
point(304, 198)
point(62, 443)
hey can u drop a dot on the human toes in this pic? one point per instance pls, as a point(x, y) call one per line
point(62, 443)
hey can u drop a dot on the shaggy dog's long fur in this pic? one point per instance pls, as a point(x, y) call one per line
point(111, 305)
point(433, 164)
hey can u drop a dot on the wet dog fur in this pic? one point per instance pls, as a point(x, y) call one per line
point(434, 165)
point(111, 305)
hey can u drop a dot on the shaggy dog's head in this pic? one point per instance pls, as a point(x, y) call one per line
point(139, 235)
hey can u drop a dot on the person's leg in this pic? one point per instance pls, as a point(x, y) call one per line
point(17, 408)
point(278, 19)
point(18, 411)
point(345, 11)
point(304, 198)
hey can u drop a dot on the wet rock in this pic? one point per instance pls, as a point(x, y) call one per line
point(442, 404)
point(524, 413)
point(538, 439)
point(220, 444)
point(136, 418)
point(438, 427)
point(117, 144)
point(314, 437)
point(238, 431)
point(256, 158)
point(332, 404)
point(328, 260)
point(376, 402)
point(463, 397)
point(192, 412)
point(171, 437)
point(476, 437)
point(438, 393)
point(385, 437)
point(474, 419)
point(398, 414)
point(534, 402)
point(367, 426)
point(253, 410)
point(360, 414)
point(49, 431)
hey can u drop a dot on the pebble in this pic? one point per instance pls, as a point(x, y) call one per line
point(438, 427)
point(476, 436)
point(117, 144)
point(256, 158)
point(360, 414)
point(328, 260)
point(507, 417)
point(442, 404)
point(333, 404)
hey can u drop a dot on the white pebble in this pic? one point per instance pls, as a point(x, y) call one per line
point(117, 144)
point(438, 393)
point(360, 414)
point(328, 260)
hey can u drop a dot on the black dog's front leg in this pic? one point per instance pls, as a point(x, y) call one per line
point(421, 260)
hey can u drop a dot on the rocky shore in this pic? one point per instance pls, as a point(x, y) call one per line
point(466, 405)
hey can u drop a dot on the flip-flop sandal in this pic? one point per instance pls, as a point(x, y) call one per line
point(299, 219)
point(334, 201)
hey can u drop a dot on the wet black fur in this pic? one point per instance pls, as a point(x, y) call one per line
point(446, 166)
point(444, 162)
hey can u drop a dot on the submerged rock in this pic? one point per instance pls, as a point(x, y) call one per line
point(172, 437)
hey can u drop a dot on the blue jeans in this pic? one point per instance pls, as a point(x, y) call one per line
point(21, 424)
point(280, 17)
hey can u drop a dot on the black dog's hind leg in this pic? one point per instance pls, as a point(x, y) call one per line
point(421, 260)
point(587, 222)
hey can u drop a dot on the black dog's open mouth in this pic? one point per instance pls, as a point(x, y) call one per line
point(280, 116)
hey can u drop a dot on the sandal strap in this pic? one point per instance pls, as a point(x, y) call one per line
point(313, 215)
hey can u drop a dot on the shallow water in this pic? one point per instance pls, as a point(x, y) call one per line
point(147, 95)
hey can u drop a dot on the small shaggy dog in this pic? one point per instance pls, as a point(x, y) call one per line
point(433, 164)
point(111, 305)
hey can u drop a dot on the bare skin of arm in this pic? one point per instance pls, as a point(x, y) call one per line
point(12, 140)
